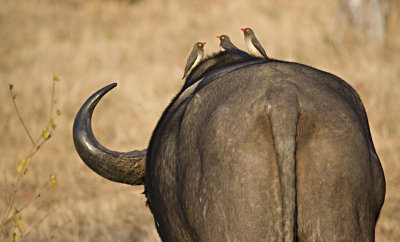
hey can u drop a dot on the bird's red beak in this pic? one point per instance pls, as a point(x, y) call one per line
point(219, 37)
point(204, 43)
point(243, 29)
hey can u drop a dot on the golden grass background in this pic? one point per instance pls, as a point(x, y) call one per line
point(143, 47)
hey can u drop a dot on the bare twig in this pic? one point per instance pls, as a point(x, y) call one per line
point(6, 189)
point(35, 196)
point(24, 206)
point(38, 223)
point(19, 115)
point(52, 101)
point(6, 216)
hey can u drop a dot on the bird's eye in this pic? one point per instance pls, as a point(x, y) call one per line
point(199, 44)
point(222, 37)
point(247, 30)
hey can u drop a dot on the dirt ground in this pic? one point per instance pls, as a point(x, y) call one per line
point(143, 45)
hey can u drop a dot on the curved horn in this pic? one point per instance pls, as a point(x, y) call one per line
point(124, 167)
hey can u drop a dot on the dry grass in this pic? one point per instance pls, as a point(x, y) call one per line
point(143, 46)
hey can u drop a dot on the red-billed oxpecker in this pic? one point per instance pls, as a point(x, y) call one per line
point(194, 58)
point(252, 44)
point(225, 43)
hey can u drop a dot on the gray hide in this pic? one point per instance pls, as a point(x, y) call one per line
point(259, 150)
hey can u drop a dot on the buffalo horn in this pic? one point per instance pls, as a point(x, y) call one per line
point(123, 167)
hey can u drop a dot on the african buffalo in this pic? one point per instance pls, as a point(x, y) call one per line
point(252, 149)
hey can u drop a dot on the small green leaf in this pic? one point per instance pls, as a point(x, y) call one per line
point(11, 87)
point(16, 210)
point(58, 112)
point(21, 165)
point(18, 222)
point(52, 124)
point(53, 179)
point(15, 237)
point(20, 225)
point(56, 79)
point(14, 96)
point(25, 171)
point(46, 134)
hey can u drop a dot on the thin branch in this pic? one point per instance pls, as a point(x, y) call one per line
point(52, 100)
point(39, 146)
point(38, 223)
point(19, 116)
point(35, 196)
point(16, 185)
point(6, 189)
point(36, 145)
point(11, 203)
point(23, 207)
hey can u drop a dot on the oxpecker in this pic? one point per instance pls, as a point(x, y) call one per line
point(194, 58)
point(252, 43)
point(225, 42)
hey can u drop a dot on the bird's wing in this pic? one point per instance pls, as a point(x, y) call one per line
point(258, 46)
point(190, 61)
point(231, 45)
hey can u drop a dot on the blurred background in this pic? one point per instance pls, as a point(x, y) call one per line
point(143, 45)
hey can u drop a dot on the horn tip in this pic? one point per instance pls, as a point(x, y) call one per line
point(111, 86)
